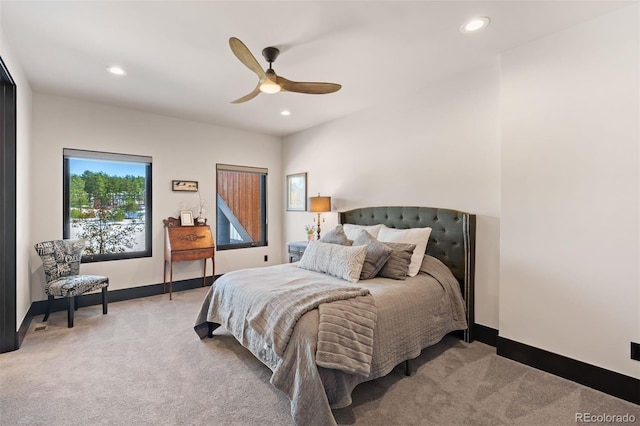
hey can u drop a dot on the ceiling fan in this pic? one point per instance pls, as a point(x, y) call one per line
point(269, 81)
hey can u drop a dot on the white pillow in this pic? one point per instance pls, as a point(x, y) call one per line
point(340, 261)
point(417, 236)
point(352, 230)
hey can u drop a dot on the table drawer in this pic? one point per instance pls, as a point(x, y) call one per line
point(181, 256)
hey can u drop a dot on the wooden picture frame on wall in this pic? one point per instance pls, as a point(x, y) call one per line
point(184, 185)
point(297, 192)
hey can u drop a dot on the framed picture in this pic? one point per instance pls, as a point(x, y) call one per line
point(184, 185)
point(297, 192)
point(186, 218)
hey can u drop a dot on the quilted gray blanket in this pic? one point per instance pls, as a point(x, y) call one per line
point(411, 315)
point(345, 335)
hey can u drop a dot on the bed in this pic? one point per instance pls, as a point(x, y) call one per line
point(393, 319)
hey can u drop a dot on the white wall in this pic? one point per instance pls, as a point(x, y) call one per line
point(180, 149)
point(543, 147)
point(569, 279)
point(438, 148)
point(23, 150)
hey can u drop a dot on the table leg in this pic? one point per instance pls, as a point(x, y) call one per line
point(204, 271)
point(164, 275)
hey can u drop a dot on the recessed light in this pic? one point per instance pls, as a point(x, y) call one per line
point(115, 70)
point(285, 112)
point(475, 24)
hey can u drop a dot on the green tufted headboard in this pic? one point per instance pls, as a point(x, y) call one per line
point(452, 240)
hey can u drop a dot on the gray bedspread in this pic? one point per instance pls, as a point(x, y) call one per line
point(411, 315)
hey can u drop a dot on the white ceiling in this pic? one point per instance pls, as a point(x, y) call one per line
point(177, 56)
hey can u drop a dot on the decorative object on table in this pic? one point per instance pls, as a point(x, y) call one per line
point(297, 192)
point(201, 220)
point(170, 222)
point(319, 205)
point(310, 229)
point(61, 262)
point(184, 185)
point(186, 218)
point(268, 81)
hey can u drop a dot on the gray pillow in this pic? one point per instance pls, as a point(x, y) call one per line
point(336, 236)
point(397, 267)
point(334, 259)
point(377, 254)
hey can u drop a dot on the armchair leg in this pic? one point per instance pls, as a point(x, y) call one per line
point(49, 303)
point(104, 300)
point(77, 299)
point(70, 311)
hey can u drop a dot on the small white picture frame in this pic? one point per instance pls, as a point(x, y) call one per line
point(186, 218)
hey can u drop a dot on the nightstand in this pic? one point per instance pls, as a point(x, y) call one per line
point(296, 249)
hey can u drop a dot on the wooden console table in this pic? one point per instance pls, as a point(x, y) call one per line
point(185, 243)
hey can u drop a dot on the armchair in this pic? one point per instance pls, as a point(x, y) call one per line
point(61, 261)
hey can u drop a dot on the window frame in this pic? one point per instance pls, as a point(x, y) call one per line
point(264, 221)
point(69, 153)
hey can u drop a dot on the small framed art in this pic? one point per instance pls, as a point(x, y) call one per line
point(184, 185)
point(186, 218)
point(297, 192)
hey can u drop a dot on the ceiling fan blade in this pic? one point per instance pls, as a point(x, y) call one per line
point(242, 52)
point(248, 97)
point(307, 87)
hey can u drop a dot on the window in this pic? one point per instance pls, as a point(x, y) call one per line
point(107, 201)
point(241, 207)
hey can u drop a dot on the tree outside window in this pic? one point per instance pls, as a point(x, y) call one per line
point(107, 199)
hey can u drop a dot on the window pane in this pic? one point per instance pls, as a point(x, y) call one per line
point(108, 203)
point(241, 207)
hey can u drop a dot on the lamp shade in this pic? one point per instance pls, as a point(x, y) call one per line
point(319, 204)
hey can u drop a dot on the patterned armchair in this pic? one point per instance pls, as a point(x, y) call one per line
point(61, 261)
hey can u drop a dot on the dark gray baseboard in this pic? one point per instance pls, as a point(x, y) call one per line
point(603, 380)
point(40, 307)
point(486, 335)
point(607, 381)
point(22, 331)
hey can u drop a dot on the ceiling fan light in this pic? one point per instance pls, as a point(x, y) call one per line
point(269, 87)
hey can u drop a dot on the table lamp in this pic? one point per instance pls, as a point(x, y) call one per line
point(319, 205)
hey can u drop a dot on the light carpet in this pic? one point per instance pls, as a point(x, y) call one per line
point(143, 364)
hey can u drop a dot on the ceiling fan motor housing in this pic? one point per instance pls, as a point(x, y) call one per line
point(270, 53)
